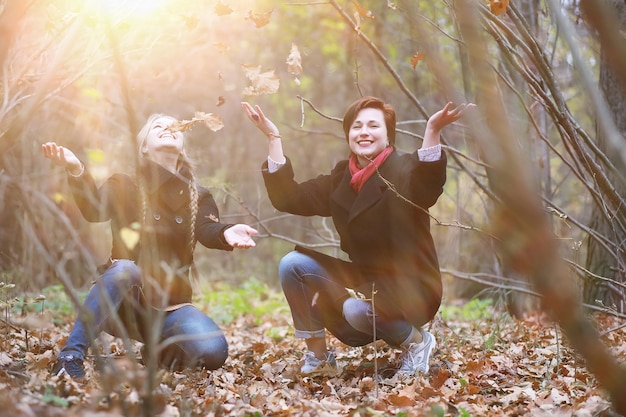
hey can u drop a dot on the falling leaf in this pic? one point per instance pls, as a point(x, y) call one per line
point(294, 61)
point(222, 47)
point(360, 12)
point(222, 9)
point(220, 101)
point(261, 82)
point(391, 5)
point(191, 20)
point(363, 12)
point(130, 237)
point(210, 120)
point(260, 19)
point(498, 7)
point(416, 58)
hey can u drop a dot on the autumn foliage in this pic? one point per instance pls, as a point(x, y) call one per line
point(485, 364)
point(74, 74)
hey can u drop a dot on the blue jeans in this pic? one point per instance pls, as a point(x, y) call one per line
point(195, 339)
point(319, 301)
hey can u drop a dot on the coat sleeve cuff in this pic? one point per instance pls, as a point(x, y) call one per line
point(222, 238)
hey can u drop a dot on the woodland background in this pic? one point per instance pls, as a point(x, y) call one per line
point(533, 208)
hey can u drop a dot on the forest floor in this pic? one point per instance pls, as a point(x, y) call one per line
point(485, 364)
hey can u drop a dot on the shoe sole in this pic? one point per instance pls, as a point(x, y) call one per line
point(322, 372)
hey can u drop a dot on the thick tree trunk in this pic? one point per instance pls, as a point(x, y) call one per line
point(519, 304)
point(613, 84)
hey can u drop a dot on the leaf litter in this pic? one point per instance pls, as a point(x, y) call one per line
point(497, 367)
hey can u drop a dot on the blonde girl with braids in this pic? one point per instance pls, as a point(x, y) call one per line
point(146, 285)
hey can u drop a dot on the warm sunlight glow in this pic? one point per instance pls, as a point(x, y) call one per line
point(125, 9)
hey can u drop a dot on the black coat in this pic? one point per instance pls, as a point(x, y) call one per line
point(387, 239)
point(165, 238)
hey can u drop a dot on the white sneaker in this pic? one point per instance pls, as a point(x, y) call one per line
point(316, 367)
point(415, 357)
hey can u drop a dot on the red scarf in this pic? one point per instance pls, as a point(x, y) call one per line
point(361, 175)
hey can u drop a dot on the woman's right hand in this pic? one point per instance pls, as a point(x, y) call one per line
point(257, 117)
point(268, 128)
point(63, 157)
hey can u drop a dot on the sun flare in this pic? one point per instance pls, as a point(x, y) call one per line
point(125, 8)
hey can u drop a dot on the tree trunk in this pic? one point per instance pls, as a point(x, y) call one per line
point(613, 84)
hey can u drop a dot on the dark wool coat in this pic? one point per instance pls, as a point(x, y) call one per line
point(387, 239)
point(163, 251)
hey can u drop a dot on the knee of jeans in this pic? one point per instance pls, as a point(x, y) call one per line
point(125, 270)
point(211, 355)
point(356, 313)
point(287, 264)
point(215, 357)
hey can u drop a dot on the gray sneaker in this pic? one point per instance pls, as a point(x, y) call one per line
point(316, 367)
point(415, 357)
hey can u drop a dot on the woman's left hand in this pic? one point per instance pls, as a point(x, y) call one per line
point(240, 236)
point(448, 115)
point(441, 119)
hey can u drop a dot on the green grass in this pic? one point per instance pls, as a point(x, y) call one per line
point(53, 299)
point(225, 303)
point(475, 309)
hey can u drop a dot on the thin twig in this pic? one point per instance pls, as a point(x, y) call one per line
point(374, 339)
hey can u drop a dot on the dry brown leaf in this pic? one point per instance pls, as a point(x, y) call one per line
point(260, 19)
point(362, 11)
point(210, 120)
point(415, 59)
point(222, 9)
point(498, 7)
point(261, 375)
point(294, 61)
point(261, 82)
point(34, 321)
point(222, 47)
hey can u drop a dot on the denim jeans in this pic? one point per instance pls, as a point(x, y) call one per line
point(195, 339)
point(318, 301)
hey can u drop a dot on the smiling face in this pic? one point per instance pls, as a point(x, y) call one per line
point(159, 139)
point(367, 136)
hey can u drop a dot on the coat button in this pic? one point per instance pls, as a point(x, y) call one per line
point(179, 219)
point(157, 217)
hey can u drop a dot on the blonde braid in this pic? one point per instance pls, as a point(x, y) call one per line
point(193, 206)
point(144, 205)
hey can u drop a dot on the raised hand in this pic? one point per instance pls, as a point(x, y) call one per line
point(63, 157)
point(265, 125)
point(441, 119)
point(269, 129)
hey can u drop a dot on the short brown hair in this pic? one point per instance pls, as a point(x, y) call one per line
point(374, 103)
